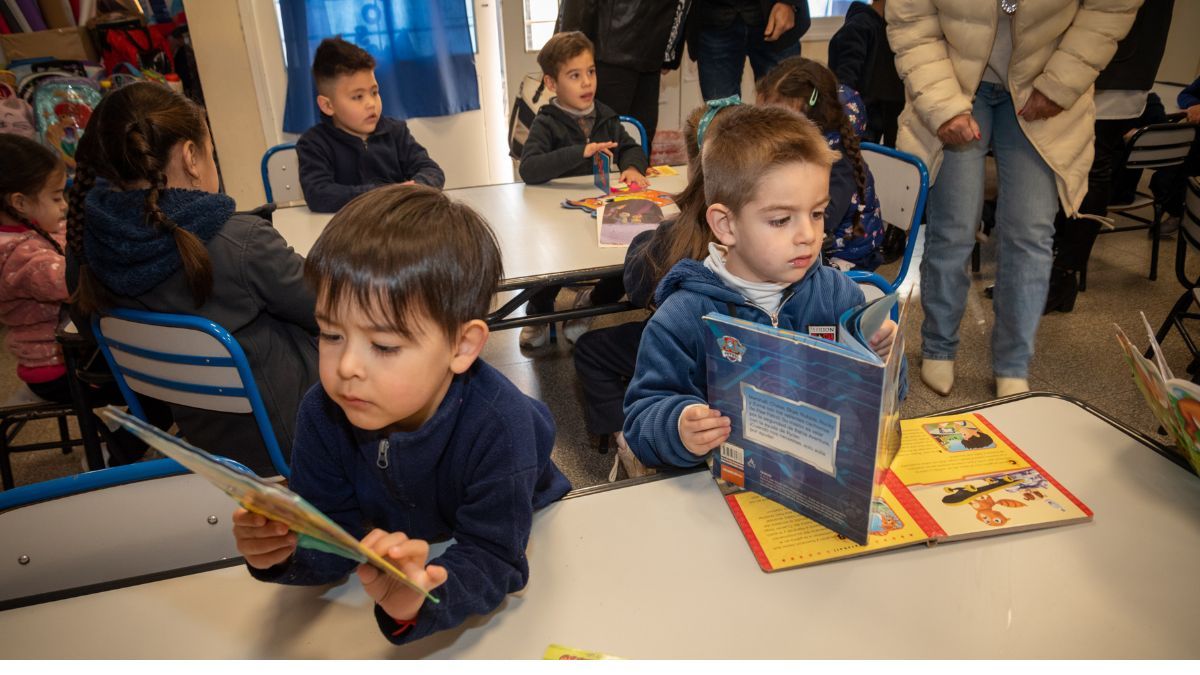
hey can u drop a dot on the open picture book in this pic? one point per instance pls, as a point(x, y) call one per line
point(815, 418)
point(1175, 402)
point(955, 477)
point(314, 529)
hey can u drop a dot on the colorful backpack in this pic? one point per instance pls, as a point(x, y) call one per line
point(62, 108)
point(531, 96)
point(16, 116)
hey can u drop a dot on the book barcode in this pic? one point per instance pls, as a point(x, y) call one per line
point(732, 455)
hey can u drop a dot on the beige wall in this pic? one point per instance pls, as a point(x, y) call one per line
point(1181, 60)
point(224, 64)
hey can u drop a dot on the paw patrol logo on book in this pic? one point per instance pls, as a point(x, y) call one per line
point(732, 348)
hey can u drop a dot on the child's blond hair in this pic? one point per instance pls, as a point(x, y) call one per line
point(749, 141)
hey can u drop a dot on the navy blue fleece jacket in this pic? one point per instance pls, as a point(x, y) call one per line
point(336, 166)
point(671, 369)
point(475, 472)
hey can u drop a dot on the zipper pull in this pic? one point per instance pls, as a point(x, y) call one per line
point(382, 460)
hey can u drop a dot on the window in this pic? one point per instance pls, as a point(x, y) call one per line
point(831, 8)
point(540, 16)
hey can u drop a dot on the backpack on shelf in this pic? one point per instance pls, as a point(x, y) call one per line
point(62, 107)
point(128, 41)
point(16, 115)
point(531, 96)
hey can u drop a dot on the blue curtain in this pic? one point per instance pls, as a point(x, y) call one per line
point(423, 50)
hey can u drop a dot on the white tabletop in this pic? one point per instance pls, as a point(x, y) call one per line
point(537, 235)
point(661, 570)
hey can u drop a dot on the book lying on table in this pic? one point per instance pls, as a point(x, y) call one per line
point(314, 529)
point(1174, 401)
point(954, 477)
point(815, 418)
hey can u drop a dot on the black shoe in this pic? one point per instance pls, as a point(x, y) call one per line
point(1064, 286)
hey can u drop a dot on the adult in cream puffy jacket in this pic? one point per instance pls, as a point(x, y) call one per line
point(1015, 76)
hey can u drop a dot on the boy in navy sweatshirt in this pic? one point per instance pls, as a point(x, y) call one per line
point(410, 437)
point(355, 148)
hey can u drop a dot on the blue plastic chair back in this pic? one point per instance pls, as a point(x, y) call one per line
point(281, 174)
point(902, 185)
point(182, 359)
point(635, 129)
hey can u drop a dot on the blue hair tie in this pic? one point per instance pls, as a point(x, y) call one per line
point(714, 106)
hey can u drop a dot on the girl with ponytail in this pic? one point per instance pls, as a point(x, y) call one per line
point(148, 229)
point(32, 267)
point(854, 226)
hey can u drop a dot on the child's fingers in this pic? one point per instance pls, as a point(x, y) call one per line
point(267, 545)
point(379, 541)
point(712, 437)
point(698, 412)
point(248, 518)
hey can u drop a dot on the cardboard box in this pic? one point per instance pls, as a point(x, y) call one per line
point(59, 43)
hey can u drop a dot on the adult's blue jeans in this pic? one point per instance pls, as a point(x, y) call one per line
point(721, 55)
point(1025, 210)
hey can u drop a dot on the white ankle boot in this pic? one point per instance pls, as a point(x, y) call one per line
point(1010, 386)
point(938, 374)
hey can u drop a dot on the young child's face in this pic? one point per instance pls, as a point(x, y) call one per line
point(379, 378)
point(575, 84)
point(354, 103)
point(776, 237)
point(47, 208)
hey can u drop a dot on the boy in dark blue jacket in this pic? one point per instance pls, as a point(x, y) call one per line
point(355, 148)
point(766, 185)
point(410, 437)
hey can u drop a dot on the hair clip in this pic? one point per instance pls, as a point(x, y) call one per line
point(812, 100)
point(713, 107)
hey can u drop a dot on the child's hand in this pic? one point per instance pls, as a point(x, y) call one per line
point(605, 147)
point(408, 555)
point(701, 429)
point(633, 177)
point(262, 542)
point(882, 341)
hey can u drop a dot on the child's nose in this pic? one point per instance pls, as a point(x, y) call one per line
point(349, 365)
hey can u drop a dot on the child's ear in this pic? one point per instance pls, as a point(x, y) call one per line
point(720, 221)
point(191, 159)
point(325, 104)
point(472, 336)
point(551, 85)
point(17, 202)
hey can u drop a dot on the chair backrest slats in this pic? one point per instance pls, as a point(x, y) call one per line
point(185, 360)
point(281, 174)
point(1160, 145)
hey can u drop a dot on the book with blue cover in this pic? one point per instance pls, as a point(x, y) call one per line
point(815, 420)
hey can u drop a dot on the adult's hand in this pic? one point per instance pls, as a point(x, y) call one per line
point(782, 19)
point(1038, 107)
point(959, 130)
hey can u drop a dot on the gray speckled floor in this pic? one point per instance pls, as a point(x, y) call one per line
point(1076, 355)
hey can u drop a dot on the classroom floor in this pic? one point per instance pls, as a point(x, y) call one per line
point(1077, 355)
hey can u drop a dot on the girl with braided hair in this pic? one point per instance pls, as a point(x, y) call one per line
point(853, 223)
point(32, 267)
point(148, 229)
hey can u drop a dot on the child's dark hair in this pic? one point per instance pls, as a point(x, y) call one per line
point(128, 142)
point(404, 251)
point(980, 440)
point(25, 168)
point(336, 57)
point(560, 48)
point(791, 84)
point(688, 235)
point(746, 142)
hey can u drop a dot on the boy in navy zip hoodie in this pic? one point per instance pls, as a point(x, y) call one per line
point(766, 186)
point(354, 148)
point(410, 437)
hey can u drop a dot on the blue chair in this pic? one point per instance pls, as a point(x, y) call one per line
point(902, 185)
point(281, 174)
point(634, 128)
point(186, 360)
